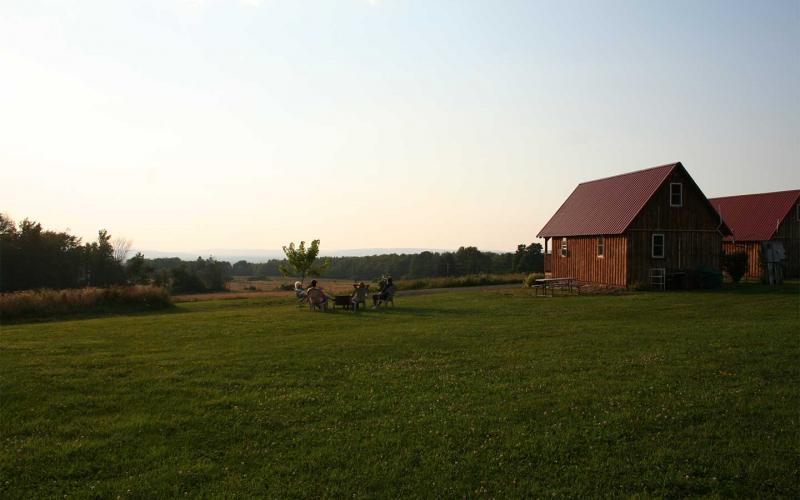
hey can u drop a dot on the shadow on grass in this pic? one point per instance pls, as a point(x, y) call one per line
point(99, 313)
point(787, 288)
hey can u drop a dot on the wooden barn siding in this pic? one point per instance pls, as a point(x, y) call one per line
point(695, 214)
point(690, 231)
point(753, 251)
point(583, 263)
point(683, 251)
point(789, 233)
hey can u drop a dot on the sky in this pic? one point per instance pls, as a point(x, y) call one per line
point(194, 124)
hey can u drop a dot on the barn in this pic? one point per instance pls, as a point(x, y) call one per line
point(652, 227)
point(763, 224)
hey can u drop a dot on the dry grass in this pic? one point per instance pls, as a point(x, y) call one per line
point(460, 281)
point(243, 284)
point(46, 303)
point(243, 287)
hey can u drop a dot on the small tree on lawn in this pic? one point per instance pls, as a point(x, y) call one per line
point(300, 260)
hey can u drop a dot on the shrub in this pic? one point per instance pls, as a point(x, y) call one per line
point(199, 276)
point(44, 303)
point(706, 277)
point(736, 265)
point(639, 286)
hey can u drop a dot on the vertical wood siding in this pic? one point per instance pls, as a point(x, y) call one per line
point(684, 251)
point(691, 237)
point(695, 214)
point(583, 263)
point(789, 233)
point(753, 251)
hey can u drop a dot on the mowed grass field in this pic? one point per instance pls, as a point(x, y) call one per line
point(458, 394)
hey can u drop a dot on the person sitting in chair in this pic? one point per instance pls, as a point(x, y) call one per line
point(387, 292)
point(359, 295)
point(299, 291)
point(317, 297)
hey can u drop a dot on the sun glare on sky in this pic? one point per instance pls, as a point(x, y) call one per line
point(190, 124)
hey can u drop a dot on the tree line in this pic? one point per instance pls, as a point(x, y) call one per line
point(464, 261)
point(32, 257)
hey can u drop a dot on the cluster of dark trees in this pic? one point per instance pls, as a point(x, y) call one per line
point(33, 258)
point(464, 261)
point(201, 275)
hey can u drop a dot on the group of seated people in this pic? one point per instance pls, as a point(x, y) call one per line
point(316, 296)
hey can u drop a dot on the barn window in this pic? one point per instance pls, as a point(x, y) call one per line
point(676, 194)
point(658, 246)
point(601, 246)
point(563, 247)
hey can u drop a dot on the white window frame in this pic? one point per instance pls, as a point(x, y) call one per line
point(601, 246)
point(564, 249)
point(653, 246)
point(680, 192)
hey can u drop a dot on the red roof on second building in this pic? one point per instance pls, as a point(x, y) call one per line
point(606, 206)
point(755, 217)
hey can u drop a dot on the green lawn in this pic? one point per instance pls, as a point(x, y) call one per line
point(466, 393)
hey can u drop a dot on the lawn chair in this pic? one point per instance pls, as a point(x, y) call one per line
point(360, 297)
point(388, 300)
point(301, 297)
point(317, 300)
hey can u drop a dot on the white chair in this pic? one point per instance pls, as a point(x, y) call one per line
point(301, 297)
point(658, 278)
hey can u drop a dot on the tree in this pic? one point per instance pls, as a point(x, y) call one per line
point(122, 247)
point(300, 260)
point(32, 257)
point(528, 258)
point(102, 268)
point(137, 270)
point(242, 268)
point(470, 260)
point(201, 275)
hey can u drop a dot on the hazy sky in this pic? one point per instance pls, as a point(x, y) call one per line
point(188, 125)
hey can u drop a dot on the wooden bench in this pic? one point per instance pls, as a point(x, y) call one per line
point(552, 284)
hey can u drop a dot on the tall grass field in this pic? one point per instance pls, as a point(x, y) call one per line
point(477, 393)
point(40, 304)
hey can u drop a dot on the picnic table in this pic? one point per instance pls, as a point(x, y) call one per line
point(551, 284)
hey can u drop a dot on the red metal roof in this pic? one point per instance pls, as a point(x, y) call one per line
point(606, 206)
point(755, 217)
